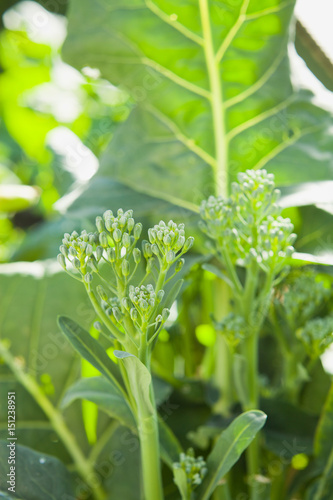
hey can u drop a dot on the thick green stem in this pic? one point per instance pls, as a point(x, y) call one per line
point(223, 375)
point(150, 450)
point(252, 452)
point(82, 464)
point(251, 346)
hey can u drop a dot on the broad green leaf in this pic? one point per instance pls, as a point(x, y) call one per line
point(107, 396)
point(229, 447)
point(30, 293)
point(37, 476)
point(213, 93)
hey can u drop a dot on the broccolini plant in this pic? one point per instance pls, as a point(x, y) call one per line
point(249, 234)
point(131, 308)
point(127, 288)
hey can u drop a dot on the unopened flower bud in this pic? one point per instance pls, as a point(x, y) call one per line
point(130, 224)
point(160, 295)
point(170, 256)
point(165, 314)
point(108, 214)
point(126, 303)
point(111, 255)
point(146, 249)
point(76, 263)
point(116, 235)
point(88, 278)
point(137, 231)
point(289, 251)
point(143, 304)
point(93, 263)
point(99, 253)
point(122, 221)
point(136, 255)
point(64, 250)
point(62, 261)
point(72, 252)
point(126, 242)
point(167, 240)
point(188, 243)
point(117, 314)
point(102, 293)
point(89, 249)
point(100, 224)
point(154, 249)
point(103, 239)
point(134, 314)
point(179, 265)
point(179, 243)
point(74, 235)
point(152, 235)
point(125, 267)
point(108, 224)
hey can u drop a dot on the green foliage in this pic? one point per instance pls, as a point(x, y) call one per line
point(180, 102)
point(228, 448)
point(54, 480)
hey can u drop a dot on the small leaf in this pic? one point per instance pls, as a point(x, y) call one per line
point(229, 447)
point(180, 479)
point(100, 391)
point(89, 348)
point(140, 378)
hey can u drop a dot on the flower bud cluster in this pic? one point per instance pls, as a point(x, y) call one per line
point(167, 241)
point(301, 296)
point(143, 301)
point(134, 310)
point(118, 230)
point(248, 225)
point(317, 335)
point(255, 192)
point(79, 249)
point(234, 329)
point(274, 241)
point(195, 468)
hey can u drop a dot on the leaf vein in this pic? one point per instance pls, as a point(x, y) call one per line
point(174, 24)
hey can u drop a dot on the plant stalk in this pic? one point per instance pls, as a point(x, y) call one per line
point(150, 449)
point(82, 464)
